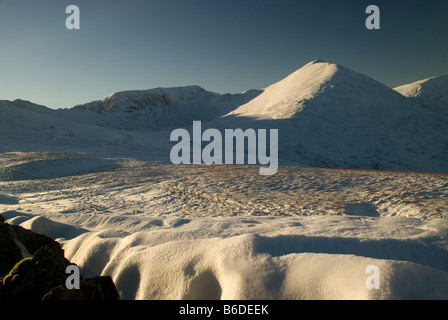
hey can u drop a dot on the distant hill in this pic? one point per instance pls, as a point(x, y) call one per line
point(431, 93)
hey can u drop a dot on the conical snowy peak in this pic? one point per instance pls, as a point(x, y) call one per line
point(329, 115)
point(431, 93)
point(334, 84)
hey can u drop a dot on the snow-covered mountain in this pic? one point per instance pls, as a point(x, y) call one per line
point(159, 108)
point(431, 93)
point(25, 126)
point(327, 115)
point(323, 87)
point(27, 105)
point(98, 178)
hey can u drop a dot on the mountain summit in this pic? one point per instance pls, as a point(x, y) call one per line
point(431, 93)
point(326, 86)
point(328, 115)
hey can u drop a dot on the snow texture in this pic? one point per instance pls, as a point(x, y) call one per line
point(98, 179)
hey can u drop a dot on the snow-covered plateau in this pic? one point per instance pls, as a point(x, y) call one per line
point(362, 182)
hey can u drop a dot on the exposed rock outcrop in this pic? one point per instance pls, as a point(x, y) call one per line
point(99, 288)
point(33, 267)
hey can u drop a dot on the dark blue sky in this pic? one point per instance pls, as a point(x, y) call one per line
point(221, 45)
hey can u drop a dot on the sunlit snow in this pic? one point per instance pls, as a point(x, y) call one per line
point(363, 182)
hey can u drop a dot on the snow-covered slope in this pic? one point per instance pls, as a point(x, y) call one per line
point(28, 106)
point(158, 108)
point(225, 232)
point(325, 87)
point(431, 93)
point(25, 126)
point(23, 120)
point(329, 115)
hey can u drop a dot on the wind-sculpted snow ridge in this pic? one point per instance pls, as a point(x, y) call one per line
point(256, 257)
point(431, 93)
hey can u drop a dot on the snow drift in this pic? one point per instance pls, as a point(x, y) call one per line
point(263, 258)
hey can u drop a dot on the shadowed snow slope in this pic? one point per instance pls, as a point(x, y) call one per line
point(25, 126)
point(431, 93)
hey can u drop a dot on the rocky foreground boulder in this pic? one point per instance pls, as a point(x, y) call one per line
point(33, 267)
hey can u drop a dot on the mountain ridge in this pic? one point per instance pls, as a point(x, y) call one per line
point(154, 109)
point(327, 116)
